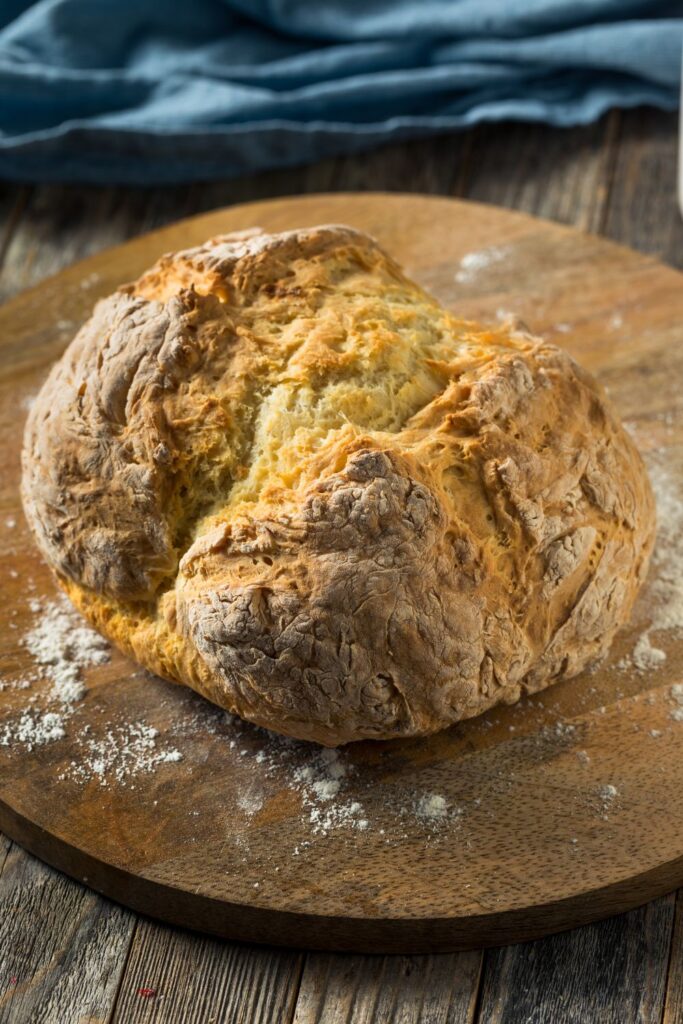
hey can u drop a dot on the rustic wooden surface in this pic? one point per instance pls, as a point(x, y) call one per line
point(534, 849)
point(99, 962)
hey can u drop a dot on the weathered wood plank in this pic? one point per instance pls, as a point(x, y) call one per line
point(673, 1008)
point(5, 845)
point(59, 225)
point(642, 210)
point(433, 166)
point(560, 174)
point(62, 947)
point(13, 200)
point(62, 223)
point(612, 972)
point(402, 989)
point(175, 976)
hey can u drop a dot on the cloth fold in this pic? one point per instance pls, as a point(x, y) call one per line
point(144, 91)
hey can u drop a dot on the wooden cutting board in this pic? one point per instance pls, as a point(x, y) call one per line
point(563, 809)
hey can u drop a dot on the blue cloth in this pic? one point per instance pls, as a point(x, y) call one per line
point(145, 91)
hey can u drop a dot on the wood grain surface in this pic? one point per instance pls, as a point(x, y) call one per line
point(586, 177)
point(531, 846)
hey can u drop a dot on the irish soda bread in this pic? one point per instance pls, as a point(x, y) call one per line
point(277, 471)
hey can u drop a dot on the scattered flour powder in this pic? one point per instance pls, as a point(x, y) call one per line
point(645, 657)
point(663, 595)
point(323, 780)
point(250, 803)
point(320, 782)
point(124, 752)
point(63, 645)
point(676, 694)
point(318, 776)
point(472, 263)
point(33, 729)
point(607, 794)
point(432, 807)
point(666, 589)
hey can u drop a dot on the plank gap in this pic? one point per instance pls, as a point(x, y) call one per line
point(477, 990)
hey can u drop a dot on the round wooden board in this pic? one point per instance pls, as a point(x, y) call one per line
point(221, 841)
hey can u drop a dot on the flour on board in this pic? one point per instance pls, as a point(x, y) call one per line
point(472, 263)
point(123, 753)
point(663, 594)
point(63, 645)
point(432, 806)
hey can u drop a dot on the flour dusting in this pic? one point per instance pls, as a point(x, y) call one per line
point(320, 777)
point(250, 803)
point(63, 645)
point(676, 694)
point(33, 730)
point(645, 657)
point(472, 263)
point(124, 752)
point(663, 594)
point(607, 794)
point(667, 588)
point(432, 807)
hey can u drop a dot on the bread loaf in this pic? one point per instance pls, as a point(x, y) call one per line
point(275, 470)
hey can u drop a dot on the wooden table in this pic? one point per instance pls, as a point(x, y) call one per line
point(68, 956)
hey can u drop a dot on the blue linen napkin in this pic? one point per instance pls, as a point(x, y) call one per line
point(145, 91)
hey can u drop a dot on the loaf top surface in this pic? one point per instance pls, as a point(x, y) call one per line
point(276, 470)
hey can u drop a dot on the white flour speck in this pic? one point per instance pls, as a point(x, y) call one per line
point(63, 646)
point(250, 803)
point(607, 794)
point(645, 657)
point(676, 694)
point(472, 263)
point(432, 806)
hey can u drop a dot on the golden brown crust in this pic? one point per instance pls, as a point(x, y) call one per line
point(275, 470)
